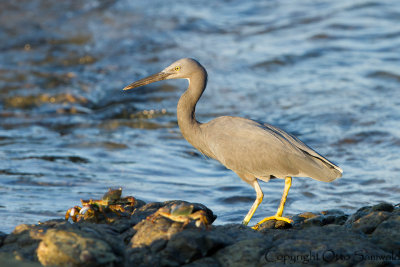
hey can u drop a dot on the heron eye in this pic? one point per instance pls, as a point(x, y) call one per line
point(177, 68)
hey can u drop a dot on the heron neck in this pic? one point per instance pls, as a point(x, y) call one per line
point(187, 122)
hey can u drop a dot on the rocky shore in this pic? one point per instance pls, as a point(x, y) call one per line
point(118, 231)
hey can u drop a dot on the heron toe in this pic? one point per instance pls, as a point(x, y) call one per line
point(278, 218)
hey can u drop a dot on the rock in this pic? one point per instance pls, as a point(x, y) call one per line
point(159, 227)
point(331, 244)
point(75, 247)
point(238, 232)
point(206, 261)
point(160, 237)
point(308, 219)
point(368, 218)
point(383, 207)
point(297, 219)
point(368, 209)
point(194, 244)
point(370, 221)
point(387, 234)
point(8, 260)
point(141, 256)
point(23, 242)
point(319, 219)
point(148, 231)
point(58, 242)
point(179, 234)
point(183, 247)
point(127, 235)
point(248, 252)
point(2, 237)
point(143, 212)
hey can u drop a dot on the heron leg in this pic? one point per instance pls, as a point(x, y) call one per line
point(256, 203)
point(278, 215)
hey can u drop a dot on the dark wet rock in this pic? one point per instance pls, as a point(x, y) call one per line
point(248, 252)
point(143, 212)
point(8, 260)
point(323, 218)
point(320, 245)
point(59, 242)
point(383, 207)
point(182, 248)
point(2, 237)
point(387, 233)
point(367, 219)
point(194, 244)
point(160, 240)
point(299, 218)
point(206, 261)
point(368, 209)
point(238, 232)
point(370, 221)
point(127, 235)
point(177, 233)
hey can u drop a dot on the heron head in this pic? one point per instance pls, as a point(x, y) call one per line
point(181, 69)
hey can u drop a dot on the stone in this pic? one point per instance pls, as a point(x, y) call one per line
point(148, 231)
point(323, 218)
point(206, 261)
point(181, 248)
point(383, 207)
point(149, 237)
point(238, 232)
point(75, 247)
point(331, 244)
point(151, 229)
point(368, 209)
point(368, 223)
point(194, 244)
point(387, 234)
point(7, 260)
point(23, 242)
point(299, 218)
point(248, 252)
point(2, 237)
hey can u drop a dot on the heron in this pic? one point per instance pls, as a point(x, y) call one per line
point(254, 151)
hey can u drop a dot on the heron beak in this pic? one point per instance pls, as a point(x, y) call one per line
point(151, 79)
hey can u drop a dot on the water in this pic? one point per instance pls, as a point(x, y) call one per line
point(326, 71)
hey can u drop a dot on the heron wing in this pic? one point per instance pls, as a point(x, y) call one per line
point(246, 146)
point(306, 149)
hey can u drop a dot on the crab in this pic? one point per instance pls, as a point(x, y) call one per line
point(73, 213)
point(182, 213)
point(111, 204)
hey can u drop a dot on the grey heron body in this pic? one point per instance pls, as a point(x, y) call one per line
point(253, 150)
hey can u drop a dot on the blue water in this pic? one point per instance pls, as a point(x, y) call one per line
point(326, 71)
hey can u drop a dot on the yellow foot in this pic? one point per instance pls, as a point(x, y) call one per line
point(278, 218)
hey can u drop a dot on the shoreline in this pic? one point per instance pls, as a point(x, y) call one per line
point(116, 231)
